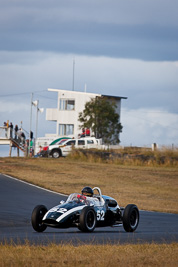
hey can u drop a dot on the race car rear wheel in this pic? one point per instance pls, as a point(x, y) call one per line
point(87, 220)
point(130, 218)
point(36, 218)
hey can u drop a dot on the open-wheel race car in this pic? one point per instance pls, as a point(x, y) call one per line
point(86, 211)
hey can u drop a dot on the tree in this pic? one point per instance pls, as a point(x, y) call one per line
point(101, 117)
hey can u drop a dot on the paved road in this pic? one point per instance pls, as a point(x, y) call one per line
point(17, 200)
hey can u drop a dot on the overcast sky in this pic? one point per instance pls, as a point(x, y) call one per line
point(120, 47)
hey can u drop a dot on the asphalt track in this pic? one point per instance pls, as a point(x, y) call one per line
point(17, 200)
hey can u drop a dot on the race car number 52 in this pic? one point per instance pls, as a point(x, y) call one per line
point(100, 215)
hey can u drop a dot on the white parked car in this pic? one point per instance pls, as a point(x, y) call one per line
point(64, 148)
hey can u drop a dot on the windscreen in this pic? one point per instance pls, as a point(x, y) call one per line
point(79, 198)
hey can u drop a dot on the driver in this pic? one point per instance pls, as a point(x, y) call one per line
point(87, 191)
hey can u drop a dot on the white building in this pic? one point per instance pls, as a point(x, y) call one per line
point(70, 103)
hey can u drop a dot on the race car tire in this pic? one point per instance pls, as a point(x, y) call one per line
point(87, 220)
point(56, 153)
point(130, 218)
point(36, 218)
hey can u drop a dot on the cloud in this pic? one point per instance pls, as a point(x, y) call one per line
point(122, 29)
point(16, 112)
point(11, 107)
point(123, 48)
point(146, 84)
point(146, 126)
point(139, 42)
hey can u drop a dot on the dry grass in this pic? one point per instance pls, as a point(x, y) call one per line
point(135, 156)
point(89, 255)
point(151, 188)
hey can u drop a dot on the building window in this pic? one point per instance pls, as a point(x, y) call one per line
point(66, 129)
point(66, 104)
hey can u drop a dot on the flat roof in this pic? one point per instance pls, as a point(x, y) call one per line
point(112, 96)
point(72, 92)
point(79, 92)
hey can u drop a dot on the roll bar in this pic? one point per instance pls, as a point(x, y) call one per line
point(99, 193)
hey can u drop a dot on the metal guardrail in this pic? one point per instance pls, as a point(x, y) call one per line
point(17, 143)
point(4, 132)
point(6, 138)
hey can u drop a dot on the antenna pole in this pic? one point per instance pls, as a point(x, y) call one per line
point(73, 74)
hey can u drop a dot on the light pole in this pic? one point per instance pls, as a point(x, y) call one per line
point(36, 104)
point(41, 111)
point(31, 103)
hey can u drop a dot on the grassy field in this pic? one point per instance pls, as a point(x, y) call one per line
point(150, 187)
point(89, 255)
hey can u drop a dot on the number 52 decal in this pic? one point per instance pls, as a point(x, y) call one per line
point(100, 215)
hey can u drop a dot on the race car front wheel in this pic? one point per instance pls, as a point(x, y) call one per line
point(130, 218)
point(37, 216)
point(87, 220)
